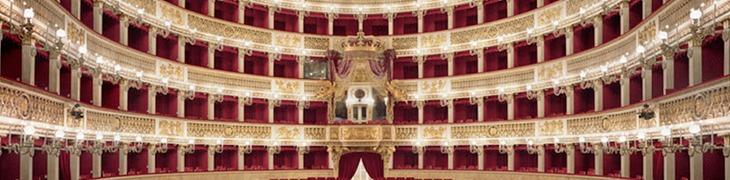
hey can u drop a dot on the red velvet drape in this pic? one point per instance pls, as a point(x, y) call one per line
point(349, 162)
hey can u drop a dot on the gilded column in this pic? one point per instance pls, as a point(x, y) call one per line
point(597, 30)
point(420, 159)
point(300, 158)
point(331, 23)
point(181, 96)
point(98, 13)
point(569, 100)
point(694, 53)
point(152, 99)
point(181, 3)
point(212, 99)
point(480, 108)
point(540, 3)
point(74, 164)
point(726, 47)
point(271, 153)
point(360, 20)
point(240, 158)
point(570, 158)
point(211, 8)
point(26, 163)
point(96, 163)
point(419, 14)
point(180, 159)
point(540, 49)
point(510, 158)
point(510, 8)
point(390, 17)
point(151, 163)
point(76, 79)
point(241, 59)
point(54, 71)
point(647, 78)
point(695, 165)
point(123, 164)
point(510, 107)
point(211, 55)
point(540, 158)
point(480, 59)
point(510, 55)
point(181, 49)
point(76, 8)
point(300, 21)
point(597, 95)
point(272, 59)
point(300, 112)
point(420, 60)
point(52, 169)
point(211, 157)
point(646, 8)
point(450, 157)
point(28, 58)
point(598, 160)
point(420, 113)
point(124, 30)
point(648, 163)
point(480, 158)
point(123, 94)
point(668, 69)
point(152, 41)
point(97, 83)
point(271, 106)
point(625, 89)
point(568, 41)
point(540, 103)
point(625, 164)
point(242, 11)
point(272, 12)
point(242, 102)
point(624, 13)
point(669, 165)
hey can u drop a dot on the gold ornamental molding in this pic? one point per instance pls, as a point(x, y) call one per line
point(706, 104)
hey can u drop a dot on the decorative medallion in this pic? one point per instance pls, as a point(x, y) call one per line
point(22, 103)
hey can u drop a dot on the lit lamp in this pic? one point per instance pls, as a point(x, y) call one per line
point(532, 148)
point(696, 142)
point(668, 145)
point(447, 148)
point(303, 147)
point(245, 148)
point(585, 148)
point(25, 146)
point(417, 146)
point(160, 147)
point(559, 148)
point(475, 147)
point(218, 147)
point(274, 148)
point(504, 147)
point(189, 148)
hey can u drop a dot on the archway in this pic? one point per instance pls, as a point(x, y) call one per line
point(349, 162)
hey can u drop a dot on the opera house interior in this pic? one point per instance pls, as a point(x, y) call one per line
point(365, 89)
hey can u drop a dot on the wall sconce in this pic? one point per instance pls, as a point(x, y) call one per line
point(188, 148)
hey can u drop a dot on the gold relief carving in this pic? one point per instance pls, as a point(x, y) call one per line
point(361, 133)
point(315, 133)
point(171, 128)
point(147, 5)
point(223, 131)
point(172, 71)
point(102, 121)
point(317, 43)
point(172, 13)
point(334, 133)
point(648, 33)
point(287, 133)
point(488, 32)
point(405, 43)
point(716, 103)
point(433, 40)
point(286, 86)
point(547, 16)
point(436, 86)
point(549, 71)
point(387, 133)
point(75, 33)
point(434, 132)
point(22, 103)
point(406, 133)
point(209, 25)
point(287, 40)
point(676, 111)
point(491, 131)
point(554, 127)
point(575, 5)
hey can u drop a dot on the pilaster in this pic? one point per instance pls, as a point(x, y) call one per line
point(124, 30)
point(98, 13)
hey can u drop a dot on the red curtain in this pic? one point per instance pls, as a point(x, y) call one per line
point(348, 166)
point(64, 165)
point(349, 162)
point(373, 165)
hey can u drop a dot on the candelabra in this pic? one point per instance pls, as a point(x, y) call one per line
point(25, 144)
point(218, 147)
point(532, 148)
point(559, 148)
point(608, 148)
point(417, 147)
point(668, 145)
point(585, 148)
point(274, 148)
point(188, 148)
point(303, 147)
point(475, 148)
point(303, 102)
point(697, 146)
point(160, 147)
point(275, 101)
point(447, 148)
point(504, 147)
point(245, 148)
point(53, 146)
point(136, 146)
